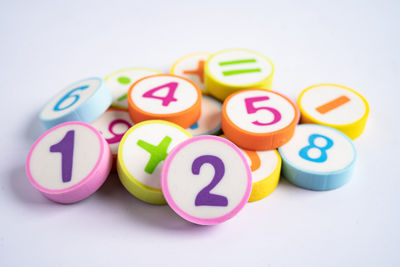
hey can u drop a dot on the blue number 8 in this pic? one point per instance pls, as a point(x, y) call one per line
point(323, 157)
point(69, 95)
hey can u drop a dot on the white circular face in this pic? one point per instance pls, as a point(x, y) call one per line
point(262, 163)
point(112, 125)
point(260, 111)
point(192, 68)
point(65, 156)
point(70, 98)
point(333, 104)
point(238, 67)
point(206, 178)
point(320, 149)
point(210, 118)
point(119, 83)
point(145, 148)
point(164, 94)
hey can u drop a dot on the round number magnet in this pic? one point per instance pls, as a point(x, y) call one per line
point(318, 157)
point(210, 118)
point(206, 180)
point(235, 69)
point(82, 101)
point(112, 125)
point(167, 97)
point(265, 170)
point(69, 162)
point(192, 68)
point(141, 155)
point(120, 81)
point(257, 119)
point(336, 106)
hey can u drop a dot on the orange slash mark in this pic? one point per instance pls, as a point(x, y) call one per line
point(199, 71)
point(337, 102)
point(254, 158)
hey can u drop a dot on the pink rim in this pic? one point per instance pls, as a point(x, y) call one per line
point(72, 188)
point(177, 209)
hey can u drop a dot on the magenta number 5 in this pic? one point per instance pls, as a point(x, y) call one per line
point(252, 109)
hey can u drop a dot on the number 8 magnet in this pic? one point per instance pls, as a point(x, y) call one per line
point(206, 180)
point(318, 157)
point(69, 162)
point(256, 119)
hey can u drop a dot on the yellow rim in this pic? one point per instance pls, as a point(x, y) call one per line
point(302, 111)
point(121, 144)
point(208, 72)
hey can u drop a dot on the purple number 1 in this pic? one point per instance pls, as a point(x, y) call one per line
point(66, 148)
point(204, 197)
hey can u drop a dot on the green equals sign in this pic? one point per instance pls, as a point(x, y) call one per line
point(240, 71)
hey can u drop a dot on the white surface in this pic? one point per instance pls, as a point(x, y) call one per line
point(46, 166)
point(48, 112)
point(339, 156)
point(241, 79)
point(349, 112)
point(268, 163)
point(184, 186)
point(117, 89)
point(185, 95)
point(191, 63)
point(116, 132)
point(47, 45)
point(135, 157)
point(238, 113)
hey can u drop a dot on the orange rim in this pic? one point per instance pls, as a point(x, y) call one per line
point(184, 118)
point(258, 141)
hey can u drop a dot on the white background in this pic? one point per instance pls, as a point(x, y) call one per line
point(47, 45)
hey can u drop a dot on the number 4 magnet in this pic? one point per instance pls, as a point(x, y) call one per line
point(165, 97)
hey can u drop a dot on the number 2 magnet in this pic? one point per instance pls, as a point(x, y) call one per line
point(206, 180)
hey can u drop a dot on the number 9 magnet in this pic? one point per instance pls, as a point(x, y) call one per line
point(84, 101)
point(257, 119)
point(69, 162)
point(206, 180)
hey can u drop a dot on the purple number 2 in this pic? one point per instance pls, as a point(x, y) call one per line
point(66, 148)
point(204, 197)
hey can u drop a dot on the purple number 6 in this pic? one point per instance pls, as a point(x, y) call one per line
point(66, 148)
point(204, 197)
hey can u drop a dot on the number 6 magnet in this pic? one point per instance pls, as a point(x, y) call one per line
point(206, 180)
point(257, 119)
point(84, 101)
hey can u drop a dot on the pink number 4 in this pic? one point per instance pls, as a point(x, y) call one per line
point(166, 100)
point(252, 109)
